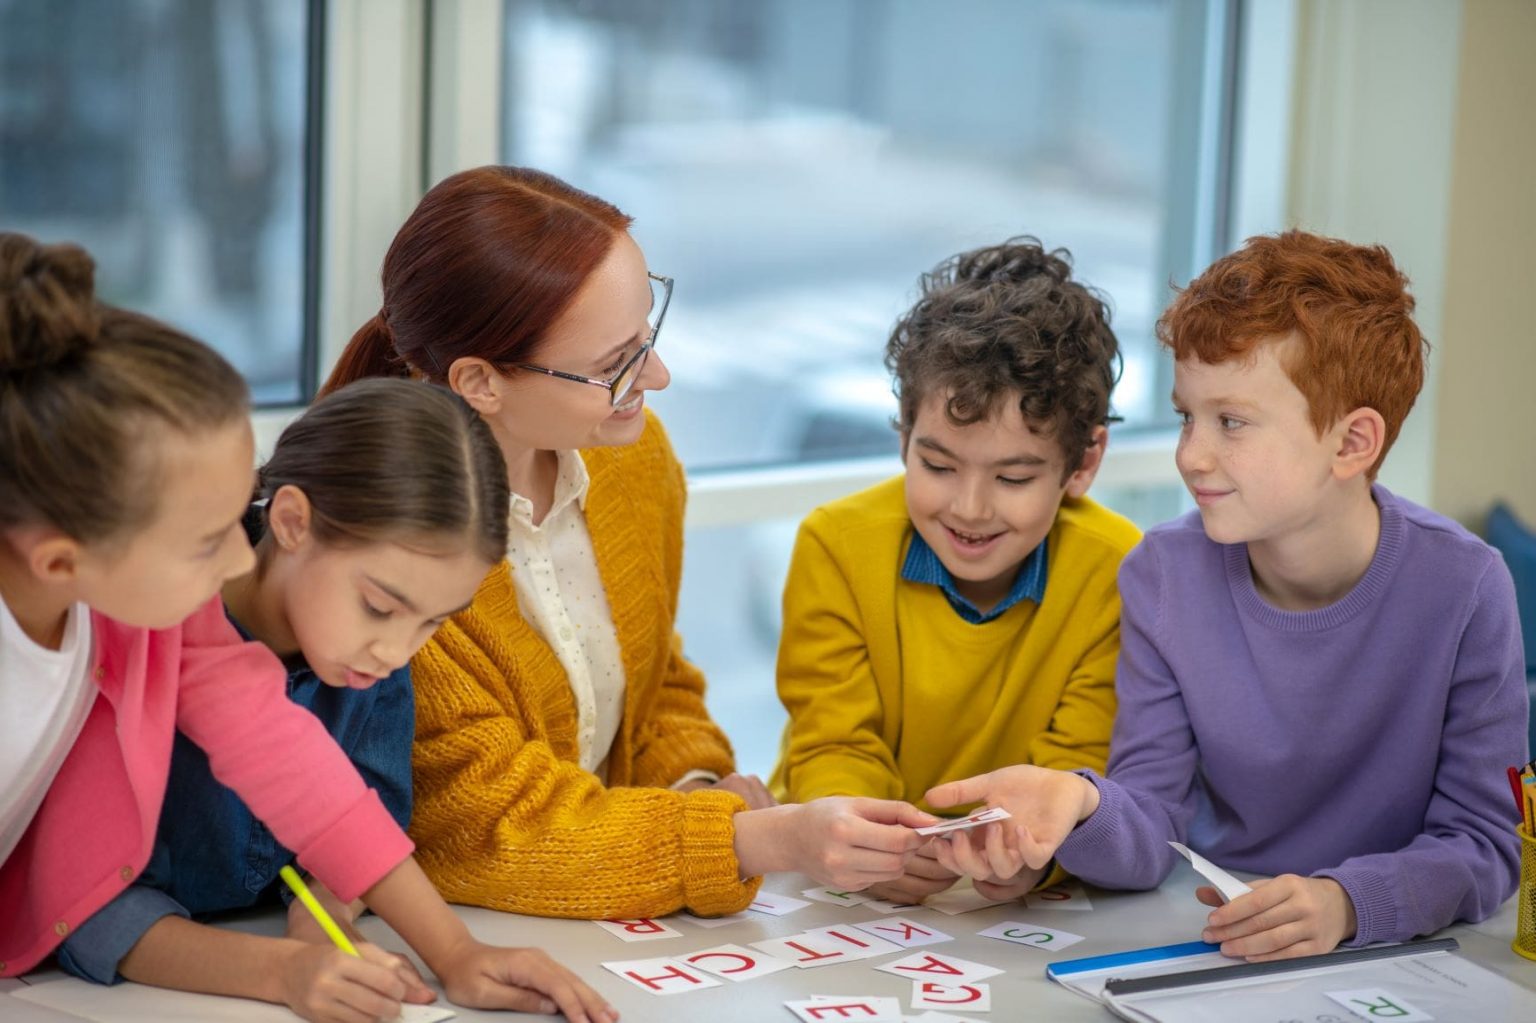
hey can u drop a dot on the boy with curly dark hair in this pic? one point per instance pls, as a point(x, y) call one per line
point(964, 615)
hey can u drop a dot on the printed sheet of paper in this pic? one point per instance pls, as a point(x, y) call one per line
point(1229, 886)
point(662, 976)
point(774, 904)
point(904, 932)
point(733, 962)
point(941, 969)
point(1067, 895)
point(834, 897)
point(638, 930)
point(975, 819)
point(1032, 935)
point(964, 997)
point(826, 1009)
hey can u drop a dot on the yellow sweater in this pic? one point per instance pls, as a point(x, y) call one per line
point(504, 815)
point(890, 692)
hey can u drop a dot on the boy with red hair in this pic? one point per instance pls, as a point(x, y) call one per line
point(1318, 679)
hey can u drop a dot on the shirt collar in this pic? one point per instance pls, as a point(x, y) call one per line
point(922, 565)
point(571, 482)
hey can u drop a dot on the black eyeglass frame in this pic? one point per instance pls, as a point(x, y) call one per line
point(635, 362)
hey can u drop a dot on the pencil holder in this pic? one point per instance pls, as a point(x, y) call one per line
point(1525, 919)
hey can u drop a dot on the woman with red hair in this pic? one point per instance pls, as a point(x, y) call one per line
point(565, 764)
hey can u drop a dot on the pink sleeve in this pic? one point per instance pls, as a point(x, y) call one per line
point(280, 760)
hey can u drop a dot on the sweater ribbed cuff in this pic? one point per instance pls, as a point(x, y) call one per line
point(712, 884)
point(1375, 906)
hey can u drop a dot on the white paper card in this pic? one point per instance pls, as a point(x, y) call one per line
point(835, 897)
point(904, 932)
point(809, 951)
point(1068, 895)
point(965, 997)
point(1229, 886)
point(941, 969)
point(974, 819)
point(774, 904)
point(1378, 1003)
point(840, 1010)
point(887, 906)
point(662, 976)
point(860, 944)
point(734, 962)
point(1032, 935)
point(638, 930)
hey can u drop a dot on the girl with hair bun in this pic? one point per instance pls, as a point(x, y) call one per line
point(125, 455)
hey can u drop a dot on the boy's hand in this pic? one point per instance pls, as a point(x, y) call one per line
point(483, 976)
point(923, 876)
point(991, 856)
point(325, 985)
point(1045, 806)
point(1281, 918)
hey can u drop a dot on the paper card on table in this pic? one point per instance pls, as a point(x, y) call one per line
point(715, 921)
point(1229, 886)
point(835, 897)
point(927, 994)
point(775, 904)
point(424, 1014)
point(962, 898)
point(859, 943)
point(662, 976)
point(887, 906)
point(808, 951)
point(842, 1010)
point(975, 819)
point(940, 969)
point(733, 962)
point(1032, 935)
point(638, 930)
point(1378, 1003)
point(1067, 895)
point(904, 932)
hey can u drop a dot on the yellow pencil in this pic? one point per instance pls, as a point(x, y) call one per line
point(316, 910)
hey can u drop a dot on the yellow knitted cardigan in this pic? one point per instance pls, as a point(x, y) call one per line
point(504, 815)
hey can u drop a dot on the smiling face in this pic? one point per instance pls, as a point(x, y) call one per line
point(170, 568)
point(984, 496)
point(602, 328)
point(1248, 451)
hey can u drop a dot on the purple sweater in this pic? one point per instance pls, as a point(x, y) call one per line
point(1365, 741)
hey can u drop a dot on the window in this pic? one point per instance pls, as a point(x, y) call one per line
point(796, 164)
point(170, 138)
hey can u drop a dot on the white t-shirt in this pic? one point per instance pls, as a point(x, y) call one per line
point(44, 698)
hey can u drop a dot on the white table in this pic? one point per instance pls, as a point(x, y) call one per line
point(1118, 921)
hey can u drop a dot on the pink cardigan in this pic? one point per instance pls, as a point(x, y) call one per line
point(96, 827)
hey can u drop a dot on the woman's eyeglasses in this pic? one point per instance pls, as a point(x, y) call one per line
point(623, 381)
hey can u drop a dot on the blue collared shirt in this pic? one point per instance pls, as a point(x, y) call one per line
point(923, 566)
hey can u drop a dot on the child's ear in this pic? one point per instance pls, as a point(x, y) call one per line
point(477, 382)
point(1361, 435)
point(52, 557)
point(1080, 480)
point(289, 517)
